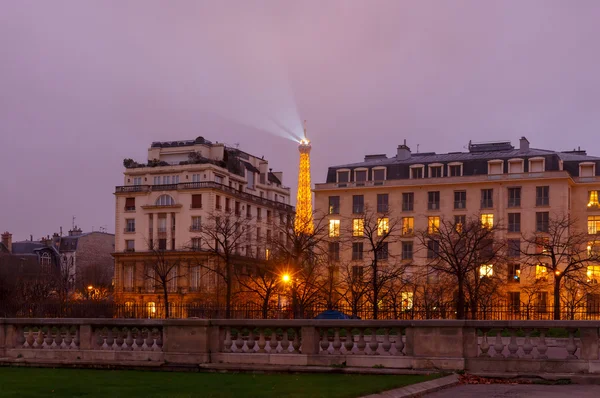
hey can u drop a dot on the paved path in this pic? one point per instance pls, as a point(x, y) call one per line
point(518, 391)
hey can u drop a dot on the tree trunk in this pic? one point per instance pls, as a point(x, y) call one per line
point(460, 305)
point(166, 294)
point(228, 289)
point(265, 307)
point(375, 290)
point(557, 280)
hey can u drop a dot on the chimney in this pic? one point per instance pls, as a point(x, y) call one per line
point(75, 231)
point(7, 241)
point(403, 152)
point(523, 144)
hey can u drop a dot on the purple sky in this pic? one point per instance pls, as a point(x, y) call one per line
point(84, 84)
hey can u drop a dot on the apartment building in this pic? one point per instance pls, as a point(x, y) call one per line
point(164, 202)
point(519, 187)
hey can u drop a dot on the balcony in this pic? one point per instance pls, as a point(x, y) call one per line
point(206, 185)
point(487, 203)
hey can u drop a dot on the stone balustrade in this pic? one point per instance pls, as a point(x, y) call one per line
point(487, 346)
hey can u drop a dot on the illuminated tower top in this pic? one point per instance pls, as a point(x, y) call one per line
point(303, 223)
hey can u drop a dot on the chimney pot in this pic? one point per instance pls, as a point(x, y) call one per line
point(403, 152)
point(7, 241)
point(523, 144)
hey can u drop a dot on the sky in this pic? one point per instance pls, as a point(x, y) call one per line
point(85, 84)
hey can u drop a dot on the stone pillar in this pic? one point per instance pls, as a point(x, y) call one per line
point(187, 343)
point(154, 230)
point(86, 337)
point(3, 339)
point(310, 340)
point(169, 231)
point(589, 343)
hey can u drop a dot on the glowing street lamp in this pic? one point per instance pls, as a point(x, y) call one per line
point(285, 278)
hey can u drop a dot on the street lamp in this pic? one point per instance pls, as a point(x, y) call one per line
point(285, 278)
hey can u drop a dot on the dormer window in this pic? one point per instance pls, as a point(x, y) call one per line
point(360, 175)
point(495, 166)
point(416, 171)
point(343, 176)
point(455, 169)
point(435, 170)
point(515, 166)
point(537, 165)
point(379, 174)
point(587, 169)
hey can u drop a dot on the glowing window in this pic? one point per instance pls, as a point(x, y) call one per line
point(267, 254)
point(487, 220)
point(486, 270)
point(593, 249)
point(408, 225)
point(151, 309)
point(593, 273)
point(541, 272)
point(383, 226)
point(407, 300)
point(358, 227)
point(334, 228)
point(164, 200)
point(593, 199)
point(433, 224)
point(593, 224)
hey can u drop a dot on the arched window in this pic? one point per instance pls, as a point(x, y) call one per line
point(164, 200)
point(46, 262)
point(151, 309)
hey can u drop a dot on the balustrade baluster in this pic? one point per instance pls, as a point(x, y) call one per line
point(48, 340)
point(250, 342)
point(296, 342)
point(128, 344)
point(239, 342)
point(118, 341)
point(68, 339)
point(571, 346)
point(373, 343)
point(21, 339)
point(484, 346)
point(39, 341)
point(499, 345)
point(513, 347)
point(75, 342)
point(139, 341)
point(399, 343)
point(527, 346)
point(228, 342)
point(62, 333)
point(285, 343)
point(262, 343)
point(159, 340)
point(386, 345)
point(30, 339)
point(337, 344)
point(361, 344)
point(149, 340)
point(54, 338)
point(273, 343)
point(155, 336)
point(325, 342)
point(541, 345)
point(349, 341)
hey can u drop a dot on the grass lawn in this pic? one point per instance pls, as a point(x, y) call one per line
point(34, 382)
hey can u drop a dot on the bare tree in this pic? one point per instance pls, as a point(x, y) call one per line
point(260, 281)
point(160, 270)
point(353, 286)
point(223, 235)
point(376, 231)
point(561, 250)
point(465, 252)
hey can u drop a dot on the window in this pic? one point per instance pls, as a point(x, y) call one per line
point(379, 174)
point(383, 226)
point(162, 223)
point(334, 205)
point(360, 175)
point(455, 170)
point(514, 302)
point(408, 225)
point(195, 177)
point(130, 204)
point(248, 211)
point(250, 178)
point(195, 281)
point(343, 176)
point(137, 180)
point(334, 251)
point(196, 244)
point(459, 222)
point(358, 204)
point(593, 303)
point(416, 172)
point(175, 179)
point(593, 249)
point(172, 279)
point(541, 272)
point(541, 221)
point(593, 199)
point(542, 302)
point(218, 179)
point(166, 180)
point(151, 309)
point(227, 204)
point(433, 225)
point(435, 171)
point(515, 166)
point(258, 214)
point(433, 200)
point(542, 196)
point(382, 252)
point(358, 227)
point(407, 250)
point(357, 250)
point(593, 224)
point(164, 200)
point(433, 248)
point(238, 207)
point(536, 165)
point(218, 202)
point(128, 277)
point(514, 248)
point(156, 180)
point(130, 245)
point(593, 273)
point(487, 201)
point(460, 199)
point(408, 201)
point(382, 203)
point(196, 223)
point(514, 273)
point(486, 271)
point(334, 228)
point(130, 225)
point(514, 222)
point(407, 300)
point(495, 166)
point(197, 201)
point(487, 220)
point(357, 273)
point(162, 244)
point(514, 197)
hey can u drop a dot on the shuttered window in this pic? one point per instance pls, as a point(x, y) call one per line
point(130, 204)
point(196, 201)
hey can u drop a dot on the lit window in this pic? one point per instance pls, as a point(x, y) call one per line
point(267, 254)
point(407, 300)
point(593, 199)
point(334, 228)
point(408, 224)
point(358, 227)
point(593, 273)
point(593, 224)
point(151, 309)
point(541, 272)
point(593, 249)
point(383, 226)
point(542, 244)
point(433, 224)
point(486, 270)
point(487, 220)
